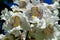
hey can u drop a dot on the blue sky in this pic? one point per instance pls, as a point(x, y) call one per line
point(10, 4)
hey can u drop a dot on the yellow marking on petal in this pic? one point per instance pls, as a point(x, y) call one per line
point(16, 21)
point(6, 38)
point(35, 11)
point(49, 7)
point(33, 17)
point(15, 11)
point(21, 0)
point(22, 4)
point(48, 30)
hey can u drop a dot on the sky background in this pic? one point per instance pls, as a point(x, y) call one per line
point(10, 4)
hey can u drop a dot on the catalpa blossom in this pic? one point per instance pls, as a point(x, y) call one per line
point(31, 21)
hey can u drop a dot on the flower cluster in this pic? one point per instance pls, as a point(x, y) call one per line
point(31, 20)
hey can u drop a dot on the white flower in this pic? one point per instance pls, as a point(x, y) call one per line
point(36, 17)
point(1, 36)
